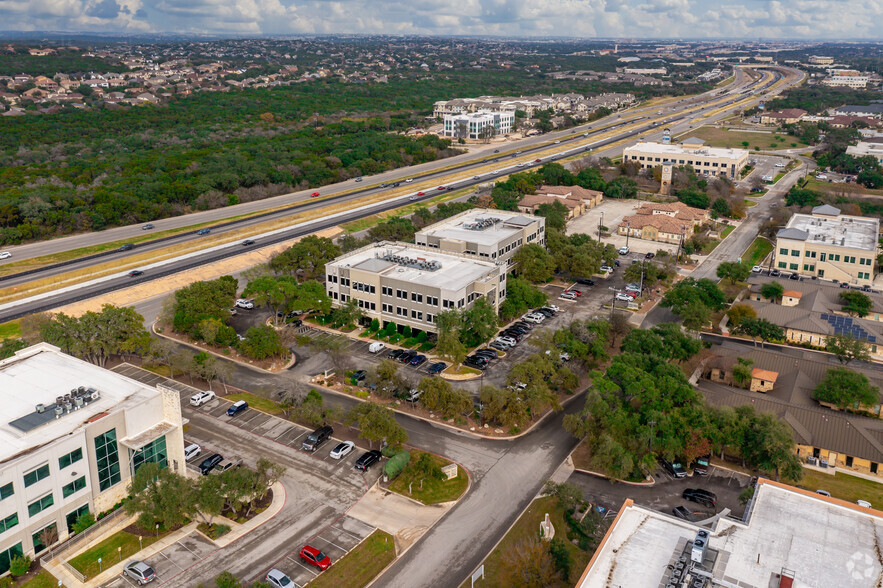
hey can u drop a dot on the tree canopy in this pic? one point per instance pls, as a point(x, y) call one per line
point(95, 336)
point(846, 388)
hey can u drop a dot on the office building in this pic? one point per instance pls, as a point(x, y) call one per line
point(410, 284)
point(576, 198)
point(830, 245)
point(492, 235)
point(71, 437)
point(864, 149)
point(709, 161)
point(821, 60)
point(848, 78)
point(483, 124)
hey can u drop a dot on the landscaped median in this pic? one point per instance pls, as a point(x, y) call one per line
point(361, 565)
point(423, 479)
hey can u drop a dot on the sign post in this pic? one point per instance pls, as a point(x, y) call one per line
point(478, 574)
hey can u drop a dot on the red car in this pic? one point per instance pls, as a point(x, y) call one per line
point(314, 195)
point(421, 193)
point(537, 160)
point(441, 188)
point(577, 292)
point(313, 556)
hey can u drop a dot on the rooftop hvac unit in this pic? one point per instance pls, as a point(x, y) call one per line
point(59, 400)
point(95, 395)
point(68, 407)
point(59, 410)
point(40, 408)
point(78, 402)
point(697, 553)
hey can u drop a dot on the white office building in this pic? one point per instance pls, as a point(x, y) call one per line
point(709, 161)
point(71, 436)
point(483, 124)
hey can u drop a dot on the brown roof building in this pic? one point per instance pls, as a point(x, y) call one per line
point(576, 198)
point(787, 116)
point(660, 221)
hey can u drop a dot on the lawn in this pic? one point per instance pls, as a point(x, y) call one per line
point(844, 486)
point(87, 562)
point(757, 251)
point(358, 567)
point(839, 188)
point(727, 231)
point(42, 580)
point(715, 137)
point(256, 402)
point(526, 528)
point(10, 329)
point(434, 491)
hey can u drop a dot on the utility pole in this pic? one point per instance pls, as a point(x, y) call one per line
point(642, 277)
point(628, 229)
point(600, 223)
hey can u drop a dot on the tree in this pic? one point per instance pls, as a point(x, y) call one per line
point(83, 522)
point(742, 372)
point(438, 395)
point(261, 342)
point(689, 290)
point(426, 467)
point(529, 565)
point(202, 300)
point(209, 498)
point(846, 348)
point(618, 326)
point(740, 312)
point(772, 290)
point(561, 556)
point(95, 336)
point(227, 580)
point(555, 215)
point(846, 389)
point(273, 292)
point(347, 313)
point(856, 303)
point(312, 410)
point(734, 271)
point(305, 259)
point(205, 366)
point(521, 295)
point(376, 422)
point(479, 323)
point(449, 344)
point(767, 444)
point(569, 495)
point(696, 315)
point(758, 328)
point(535, 264)
point(159, 495)
point(678, 345)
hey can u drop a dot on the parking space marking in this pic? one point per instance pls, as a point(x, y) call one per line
point(344, 531)
point(173, 562)
point(332, 543)
point(312, 571)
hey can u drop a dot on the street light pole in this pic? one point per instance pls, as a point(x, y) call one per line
point(628, 229)
point(600, 223)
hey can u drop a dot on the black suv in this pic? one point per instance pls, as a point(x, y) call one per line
point(395, 354)
point(586, 281)
point(209, 463)
point(703, 497)
point(674, 468)
point(477, 362)
point(407, 356)
point(317, 438)
point(368, 459)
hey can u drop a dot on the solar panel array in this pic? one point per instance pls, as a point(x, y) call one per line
point(844, 325)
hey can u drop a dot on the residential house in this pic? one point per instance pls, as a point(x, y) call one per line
point(664, 222)
point(576, 198)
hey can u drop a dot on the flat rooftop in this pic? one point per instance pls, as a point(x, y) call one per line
point(39, 374)
point(865, 148)
point(825, 542)
point(454, 272)
point(853, 232)
point(484, 227)
point(680, 150)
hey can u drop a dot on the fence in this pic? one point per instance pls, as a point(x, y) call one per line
point(61, 548)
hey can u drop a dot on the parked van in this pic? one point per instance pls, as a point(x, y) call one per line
point(376, 347)
point(317, 438)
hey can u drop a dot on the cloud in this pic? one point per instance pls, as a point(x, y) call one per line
point(106, 9)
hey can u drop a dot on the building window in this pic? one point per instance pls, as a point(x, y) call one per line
point(7, 555)
point(416, 297)
point(6, 491)
point(386, 290)
point(430, 318)
point(432, 301)
point(72, 457)
point(107, 460)
point(153, 452)
point(41, 504)
point(783, 265)
point(71, 517)
point(793, 266)
point(38, 474)
point(38, 542)
point(783, 251)
point(811, 254)
point(809, 268)
point(795, 253)
point(9, 522)
point(849, 461)
point(873, 467)
point(835, 257)
point(73, 487)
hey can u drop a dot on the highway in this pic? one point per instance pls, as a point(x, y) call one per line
point(459, 172)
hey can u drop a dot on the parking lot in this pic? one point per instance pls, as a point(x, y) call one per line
point(613, 211)
point(172, 560)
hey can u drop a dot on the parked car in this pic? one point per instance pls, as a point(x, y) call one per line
point(317, 438)
point(703, 497)
point(585, 281)
point(606, 268)
point(368, 459)
point(407, 356)
point(568, 295)
point(546, 312)
point(632, 288)
point(650, 256)
point(135, 273)
point(413, 395)
point(376, 347)
point(243, 303)
point(477, 362)
point(140, 572)
point(553, 307)
point(147, 227)
point(623, 297)
point(674, 468)
point(534, 318)
point(498, 345)
point(203, 231)
point(756, 269)
point(864, 503)
point(844, 285)
point(342, 450)
point(209, 463)
point(794, 276)
point(700, 466)
point(236, 408)
point(776, 273)
point(418, 360)
point(314, 557)
point(395, 354)
point(823, 493)
point(192, 451)
point(360, 375)
point(201, 398)
point(682, 512)
point(437, 368)
point(572, 292)
point(623, 251)
point(227, 464)
point(489, 352)
point(507, 341)
point(278, 580)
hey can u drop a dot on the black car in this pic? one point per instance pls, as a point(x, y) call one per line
point(360, 375)
point(520, 327)
point(127, 247)
point(295, 323)
point(775, 273)
point(546, 312)
point(368, 459)
point(135, 273)
point(395, 354)
point(437, 368)
point(407, 356)
point(247, 242)
point(650, 256)
point(703, 497)
point(586, 281)
point(479, 363)
point(203, 231)
point(794, 277)
point(844, 285)
point(209, 463)
point(487, 351)
point(673, 468)
point(516, 335)
point(682, 512)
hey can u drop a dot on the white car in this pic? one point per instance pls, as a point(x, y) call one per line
point(243, 303)
point(201, 398)
point(376, 347)
point(409, 180)
point(5, 255)
point(192, 451)
point(757, 269)
point(623, 297)
point(278, 579)
point(623, 250)
point(864, 503)
point(553, 307)
point(507, 341)
point(476, 177)
point(342, 450)
point(606, 268)
point(534, 318)
point(556, 142)
point(780, 165)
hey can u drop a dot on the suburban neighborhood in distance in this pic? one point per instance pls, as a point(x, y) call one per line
point(406, 297)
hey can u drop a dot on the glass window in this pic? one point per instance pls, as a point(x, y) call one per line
point(72, 517)
point(41, 504)
point(50, 531)
point(73, 487)
point(793, 266)
point(783, 251)
point(9, 522)
point(153, 452)
point(7, 555)
point(107, 460)
point(6, 491)
point(72, 457)
point(783, 265)
point(38, 474)
point(795, 253)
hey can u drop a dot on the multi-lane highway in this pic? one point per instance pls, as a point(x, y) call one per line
point(603, 136)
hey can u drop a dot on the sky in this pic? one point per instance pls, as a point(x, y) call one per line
point(689, 19)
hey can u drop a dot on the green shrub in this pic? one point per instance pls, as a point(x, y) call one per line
point(83, 522)
point(422, 336)
point(375, 325)
point(396, 464)
point(19, 565)
point(227, 580)
point(389, 451)
point(406, 331)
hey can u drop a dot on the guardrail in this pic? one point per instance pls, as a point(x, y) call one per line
point(60, 549)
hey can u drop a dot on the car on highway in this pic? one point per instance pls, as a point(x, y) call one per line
point(421, 193)
point(201, 398)
point(205, 231)
point(441, 188)
point(314, 195)
point(135, 273)
point(209, 463)
point(537, 160)
point(248, 242)
point(673, 468)
point(147, 227)
point(277, 579)
point(556, 142)
point(476, 177)
point(418, 360)
point(368, 459)
point(236, 408)
point(703, 497)
point(123, 247)
point(192, 451)
point(140, 572)
point(437, 367)
point(341, 450)
point(314, 557)
point(409, 180)
point(358, 179)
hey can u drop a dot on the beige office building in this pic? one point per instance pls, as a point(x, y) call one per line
point(71, 437)
point(709, 161)
point(491, 235)
point(410, 284)
point(829, 245)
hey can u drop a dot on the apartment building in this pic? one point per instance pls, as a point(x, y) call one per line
point(410, 284)
point(71, 437)
point(709, 161)
point(849, 78)
point(483, 124)
point(830, 245)
point(492, 235)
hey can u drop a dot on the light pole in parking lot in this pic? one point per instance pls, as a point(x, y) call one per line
point(628, 229)
point(600, 223)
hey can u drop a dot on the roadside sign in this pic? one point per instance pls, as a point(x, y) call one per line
point(478, 574)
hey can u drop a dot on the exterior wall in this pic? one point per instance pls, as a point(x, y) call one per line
point(701, 163)
point(758, 385)
point(819, 340)
point(863, 466)
point(471, 126)
point(829, 262)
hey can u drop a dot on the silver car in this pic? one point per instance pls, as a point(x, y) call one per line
point(140, 572)
point(278, 579)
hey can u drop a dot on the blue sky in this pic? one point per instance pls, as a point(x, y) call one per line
point(713, 19)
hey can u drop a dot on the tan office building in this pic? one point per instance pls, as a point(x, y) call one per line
point(709, 161)
point(829, 245)
point(410, 284)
